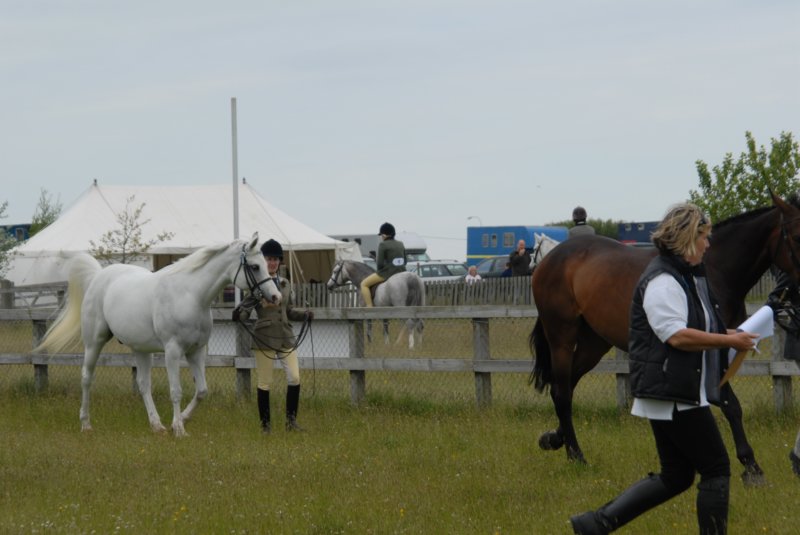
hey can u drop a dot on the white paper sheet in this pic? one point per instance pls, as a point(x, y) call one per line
point(761, 323)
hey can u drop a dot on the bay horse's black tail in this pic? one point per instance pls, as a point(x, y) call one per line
point(541, 374)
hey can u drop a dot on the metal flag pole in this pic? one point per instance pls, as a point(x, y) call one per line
point(235, 157)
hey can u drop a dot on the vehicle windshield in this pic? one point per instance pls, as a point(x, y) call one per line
point(417, 257)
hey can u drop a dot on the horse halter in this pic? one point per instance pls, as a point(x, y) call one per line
point(337, 271)
point(253, 284)
point(788, 240)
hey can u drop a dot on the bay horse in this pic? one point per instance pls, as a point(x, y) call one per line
point(401, 289)
point(168, 311)
point(583, 291)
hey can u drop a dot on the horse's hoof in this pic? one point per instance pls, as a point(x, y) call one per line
point(550, 440)
point(86, 428)
point(795, 463)
point(576, 456)
point(753, 476)
point(158, 428)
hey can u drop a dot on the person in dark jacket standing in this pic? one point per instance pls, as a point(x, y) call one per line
point(391, 259)
point(520, 260)
point(678, 353)
point(274, 339)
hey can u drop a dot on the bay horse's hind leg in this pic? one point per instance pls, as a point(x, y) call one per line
point(794, 456)
point(144, 363)
point(570, 363)
point(197, 363)
point(753, 475)
point(561, 393)
point(90, 356)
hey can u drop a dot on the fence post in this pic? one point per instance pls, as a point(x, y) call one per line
point(358, 380)
point(243, 343)
point(40, 378)
point(623, 382)
point(481, 351)
point(781, 384)
point(6, 294)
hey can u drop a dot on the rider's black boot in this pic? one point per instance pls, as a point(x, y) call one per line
point(292, 403)
point(712, 505)
point(263, 410)
point(635, 500)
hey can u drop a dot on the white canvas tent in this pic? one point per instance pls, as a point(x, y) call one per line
point(196, 215)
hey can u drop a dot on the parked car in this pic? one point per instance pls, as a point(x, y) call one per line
point(438, 269)
point(494, 266)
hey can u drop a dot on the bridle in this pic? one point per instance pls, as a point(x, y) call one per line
point(335, 274)
point(787, 239)
point(253, 284)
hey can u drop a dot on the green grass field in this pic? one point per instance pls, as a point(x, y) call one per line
point(405, 462)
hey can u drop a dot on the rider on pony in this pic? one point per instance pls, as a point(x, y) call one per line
point(391, 259)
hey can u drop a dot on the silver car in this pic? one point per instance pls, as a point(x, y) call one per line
point(440, 270)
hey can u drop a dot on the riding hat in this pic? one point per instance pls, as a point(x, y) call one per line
point(579, 214)
point(387, 229)
point(272, 248)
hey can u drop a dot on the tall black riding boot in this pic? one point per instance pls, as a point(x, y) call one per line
point(635, 500)
point(292, 402)
point(263, 410)
point(712, 505)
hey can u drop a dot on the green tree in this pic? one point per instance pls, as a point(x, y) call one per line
point(46, 212)
point(125, 244)
point(741, 185)
point(7, 243)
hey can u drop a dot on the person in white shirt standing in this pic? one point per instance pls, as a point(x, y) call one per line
point(472, 275)
point(678, 352)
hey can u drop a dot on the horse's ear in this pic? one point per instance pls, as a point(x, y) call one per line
point(254, 240)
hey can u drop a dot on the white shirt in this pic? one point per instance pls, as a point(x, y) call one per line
point(470, 279)
point(667, 313)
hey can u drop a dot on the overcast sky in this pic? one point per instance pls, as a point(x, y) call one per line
point(418, 112)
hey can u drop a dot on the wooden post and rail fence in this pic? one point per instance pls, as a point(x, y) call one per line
point(349, 323)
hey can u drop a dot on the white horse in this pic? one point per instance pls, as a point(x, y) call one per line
point(401, 289)
point(544, 244)
point(163, 311)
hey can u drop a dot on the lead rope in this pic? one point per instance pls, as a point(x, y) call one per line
point(280, 354)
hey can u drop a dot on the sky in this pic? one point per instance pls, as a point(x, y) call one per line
point(433, 115)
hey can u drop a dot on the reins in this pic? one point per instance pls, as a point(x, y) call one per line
point(305, 329)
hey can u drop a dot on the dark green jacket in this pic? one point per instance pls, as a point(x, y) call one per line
point(273, 328)
point(391, 257)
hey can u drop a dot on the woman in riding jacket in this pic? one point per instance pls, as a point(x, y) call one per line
point(274, 339)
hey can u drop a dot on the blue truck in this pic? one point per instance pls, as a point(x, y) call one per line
point(486, 242)
point(636, 232)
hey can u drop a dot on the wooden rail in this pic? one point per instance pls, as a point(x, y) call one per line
point(350, 322)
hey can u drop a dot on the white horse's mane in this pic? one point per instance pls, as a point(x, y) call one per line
point(196, 260)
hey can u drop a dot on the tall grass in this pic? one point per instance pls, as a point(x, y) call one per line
point(404, 462)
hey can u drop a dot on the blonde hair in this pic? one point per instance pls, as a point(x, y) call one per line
point(678, 231)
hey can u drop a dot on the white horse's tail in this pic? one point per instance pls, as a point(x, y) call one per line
point(66, 329)
point(416, 292)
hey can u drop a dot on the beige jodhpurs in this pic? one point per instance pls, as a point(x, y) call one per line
point(265, 363)
point(366, 284)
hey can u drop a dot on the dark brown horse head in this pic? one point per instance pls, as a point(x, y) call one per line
point(786, 253)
